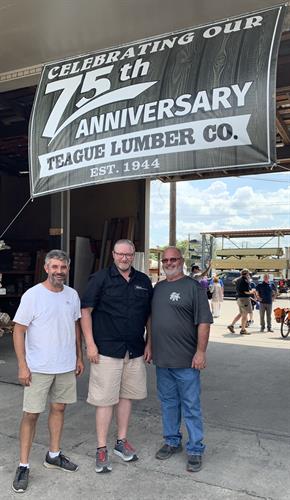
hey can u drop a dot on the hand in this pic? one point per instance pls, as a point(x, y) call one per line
point(93, 354)
point(24, 375)
point(148, 353)
point(79, 367)
point(199, 360)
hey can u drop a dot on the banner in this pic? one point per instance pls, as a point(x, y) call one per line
point(200, 99)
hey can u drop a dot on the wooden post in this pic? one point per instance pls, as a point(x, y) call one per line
point(172, 214)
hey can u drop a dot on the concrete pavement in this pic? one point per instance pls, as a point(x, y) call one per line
point(246, 406)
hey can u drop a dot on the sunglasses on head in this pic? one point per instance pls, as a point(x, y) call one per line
point(171, 260)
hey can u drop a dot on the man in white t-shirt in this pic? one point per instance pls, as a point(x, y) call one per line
point(47, 343)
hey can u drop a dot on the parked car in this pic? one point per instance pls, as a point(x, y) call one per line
point(281, 285)
point(229, 278)
point(229, 285)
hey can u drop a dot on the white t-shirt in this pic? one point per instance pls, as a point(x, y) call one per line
point(50, 340)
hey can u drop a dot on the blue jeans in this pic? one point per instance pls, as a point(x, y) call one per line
point(179, 394)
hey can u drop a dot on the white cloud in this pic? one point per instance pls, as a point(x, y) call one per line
point(220, 204)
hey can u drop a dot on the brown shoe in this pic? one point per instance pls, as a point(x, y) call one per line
point(244, 332)
point(231, 328)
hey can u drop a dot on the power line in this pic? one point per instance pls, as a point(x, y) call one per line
point(261, 179)
point(227, 216)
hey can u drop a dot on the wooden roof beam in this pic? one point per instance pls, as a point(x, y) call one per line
point(282, 129)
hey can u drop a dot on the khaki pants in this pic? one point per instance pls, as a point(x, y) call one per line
point(112, 379)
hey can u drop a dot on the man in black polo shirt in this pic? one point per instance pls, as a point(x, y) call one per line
point(115, 310)
point(244, 292)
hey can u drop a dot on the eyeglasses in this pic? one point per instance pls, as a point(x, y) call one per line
point(171, 260)
point(121, 255)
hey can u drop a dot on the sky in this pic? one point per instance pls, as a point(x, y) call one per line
point(230, 203)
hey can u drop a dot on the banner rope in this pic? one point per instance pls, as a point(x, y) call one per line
point(17, 215)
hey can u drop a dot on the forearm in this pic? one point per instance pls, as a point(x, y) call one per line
point(199, 358)
point(148, 346)
point(24, 374)
point(19, 344)
point(202, 336)
point(148, 337)
point(86, 324)
point(205, 272)
point(79, 347)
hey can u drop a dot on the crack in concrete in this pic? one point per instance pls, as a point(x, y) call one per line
point(79, 444)
point(10, 383)
point(227, 427)
point(213, 485)
point(261, 446)
point(164, 473)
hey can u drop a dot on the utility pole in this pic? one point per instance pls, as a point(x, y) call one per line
point(172, 215)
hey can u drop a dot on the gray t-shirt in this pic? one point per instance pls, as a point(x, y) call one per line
point(177, 308)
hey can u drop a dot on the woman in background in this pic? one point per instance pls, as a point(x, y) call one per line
point(217, 297)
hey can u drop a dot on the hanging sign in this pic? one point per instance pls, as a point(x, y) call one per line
point(201, 99)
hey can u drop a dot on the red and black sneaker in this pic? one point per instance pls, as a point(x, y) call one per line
point(125, 450)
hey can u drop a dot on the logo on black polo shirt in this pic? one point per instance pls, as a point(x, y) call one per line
point(139, 287)
point(175, 296)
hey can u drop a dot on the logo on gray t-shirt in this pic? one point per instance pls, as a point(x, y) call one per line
point(174, 296)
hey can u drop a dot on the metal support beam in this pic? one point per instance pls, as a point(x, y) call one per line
point(59, 232)
point(147, 225)
point(203, 247)
point(65, 221)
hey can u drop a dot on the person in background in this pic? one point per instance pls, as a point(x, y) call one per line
point(47, 343)
point(219, 280)
point(199, 275)
point(180, 330)
point(115, 309)
point(266, 292)
point(244, 292)
point(253, 301)
point(217, 297)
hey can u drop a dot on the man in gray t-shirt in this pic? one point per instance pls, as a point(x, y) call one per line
point(180, 329)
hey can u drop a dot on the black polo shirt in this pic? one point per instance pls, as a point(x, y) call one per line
point(120, 311)
point(242, 286)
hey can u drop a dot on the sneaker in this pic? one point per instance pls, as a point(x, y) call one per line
point(166, 451)
point(194, 463)
point(20, 482)
point(60, 462)
point(231, 328)
point(270, 330)
point(103, 463)
point(124, 450)
point(244, 332)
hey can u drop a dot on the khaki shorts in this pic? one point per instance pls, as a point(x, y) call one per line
point(245, 305)
point(60, 387)
point(112, 379)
